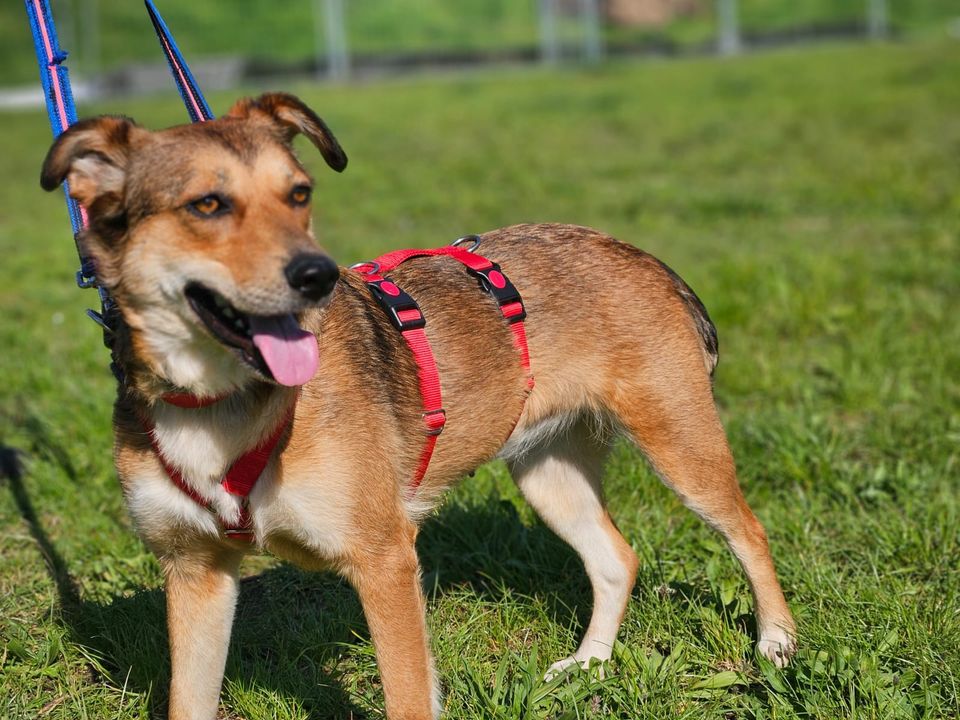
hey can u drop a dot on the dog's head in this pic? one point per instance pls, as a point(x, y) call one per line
point(202, 234)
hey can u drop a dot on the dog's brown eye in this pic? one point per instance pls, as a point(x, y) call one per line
point(208, 205)
point(300, 195)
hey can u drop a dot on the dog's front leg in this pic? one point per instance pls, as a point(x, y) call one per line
point(201, 597)
point(388, 582)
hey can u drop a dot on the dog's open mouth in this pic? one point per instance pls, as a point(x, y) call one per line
point(274, 345)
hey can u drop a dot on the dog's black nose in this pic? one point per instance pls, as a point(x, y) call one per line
point(312, 275)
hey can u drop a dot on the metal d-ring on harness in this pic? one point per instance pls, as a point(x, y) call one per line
point(405, 315)
point(474, 241)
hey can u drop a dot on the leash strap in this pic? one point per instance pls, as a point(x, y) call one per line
point(56, 87)
point(405, 315)
point(62, 113)
point(193, 99)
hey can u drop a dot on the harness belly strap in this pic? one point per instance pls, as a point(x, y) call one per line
point(406, 316)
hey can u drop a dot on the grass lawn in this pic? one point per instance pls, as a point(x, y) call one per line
point(812, 198)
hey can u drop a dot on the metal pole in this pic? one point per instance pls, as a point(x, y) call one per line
point(90, 36)
point(592, 35)
point(549, 44)
point(877, 19)
point(728, 27)
point(319, 47)
point(338, 56)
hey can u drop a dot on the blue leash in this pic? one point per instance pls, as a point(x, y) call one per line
point(193, 99)
point(60, 106)
point(62, 113)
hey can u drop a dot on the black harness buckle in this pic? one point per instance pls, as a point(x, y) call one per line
point(497, 284)
point(395, 301)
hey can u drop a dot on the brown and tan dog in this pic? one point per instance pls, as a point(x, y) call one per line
point(203, 236)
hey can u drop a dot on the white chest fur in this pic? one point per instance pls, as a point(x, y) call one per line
point(201, 444)
point(313, 506)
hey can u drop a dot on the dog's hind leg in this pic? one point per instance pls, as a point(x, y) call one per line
point(561, 480)
point(677, 427)
point(201, 594)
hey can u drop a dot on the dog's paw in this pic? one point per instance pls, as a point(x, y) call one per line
point(778, 647)
point(572, 664)
point(560, 667)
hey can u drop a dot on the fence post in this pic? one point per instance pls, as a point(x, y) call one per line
point(877, 19)
point(329, 14)
point(728, 27)
point(90, 37)
point(592, 35)
point(549, 44)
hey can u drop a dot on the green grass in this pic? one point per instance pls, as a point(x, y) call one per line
point(811, 198)
point(264, 29)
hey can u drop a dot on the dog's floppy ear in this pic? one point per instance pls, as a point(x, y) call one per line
point(291, 116)
point(92, 157)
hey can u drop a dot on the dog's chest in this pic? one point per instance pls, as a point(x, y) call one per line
point(199, 446)
point(203, 443)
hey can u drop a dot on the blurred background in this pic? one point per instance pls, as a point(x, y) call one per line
point(232, 43)
point(797, 162)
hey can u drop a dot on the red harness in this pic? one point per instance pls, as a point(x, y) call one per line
point(405, 315)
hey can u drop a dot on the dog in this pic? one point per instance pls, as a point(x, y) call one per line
point(203, 236)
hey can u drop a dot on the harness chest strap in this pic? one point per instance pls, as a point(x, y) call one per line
point(239, 478)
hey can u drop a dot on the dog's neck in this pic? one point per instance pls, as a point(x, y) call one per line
point(200, 436)
point(203, 436)
point(201, 446)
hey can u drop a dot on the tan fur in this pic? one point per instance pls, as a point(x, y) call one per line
point(617, 342)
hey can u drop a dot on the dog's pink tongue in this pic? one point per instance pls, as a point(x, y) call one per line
point(290, 352)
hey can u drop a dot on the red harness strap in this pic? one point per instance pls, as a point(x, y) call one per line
point(405, 315)
point(190, 402)
point(239, 478)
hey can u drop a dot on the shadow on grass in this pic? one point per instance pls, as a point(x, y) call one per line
point(127, 634)
point(293, 629)
point(486, 548)
point(11, 468)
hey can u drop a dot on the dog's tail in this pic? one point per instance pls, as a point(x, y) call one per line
point(701, 320)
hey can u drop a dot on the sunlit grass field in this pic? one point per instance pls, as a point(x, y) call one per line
point(811, 198)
